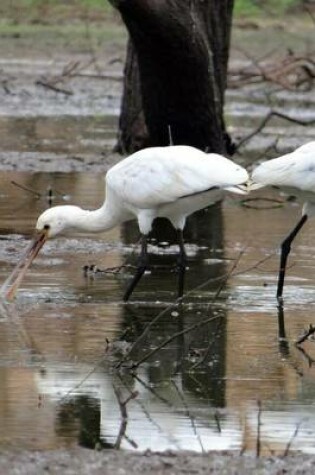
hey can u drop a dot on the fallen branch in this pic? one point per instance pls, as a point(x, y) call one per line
point(48, 85)
point(290, 72)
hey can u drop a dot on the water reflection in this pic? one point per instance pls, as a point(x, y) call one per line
point(57, 135)
point(58, 369)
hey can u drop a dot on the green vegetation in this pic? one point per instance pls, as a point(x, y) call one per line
point(48, 12)
point(254, 8)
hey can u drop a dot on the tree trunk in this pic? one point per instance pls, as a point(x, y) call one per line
point(175, 74)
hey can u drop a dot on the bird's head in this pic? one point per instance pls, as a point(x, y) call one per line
point(56, 220)
point(52, 222)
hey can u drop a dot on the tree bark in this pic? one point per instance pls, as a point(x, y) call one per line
point(175, 74)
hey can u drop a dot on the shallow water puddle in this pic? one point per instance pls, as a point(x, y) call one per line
point(208, 386)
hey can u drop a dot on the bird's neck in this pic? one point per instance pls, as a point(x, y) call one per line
point(98, 220)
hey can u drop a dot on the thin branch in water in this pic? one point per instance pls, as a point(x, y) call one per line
point(258, 440)
point(124, 416)
point(294, 436)
point(189, 415)
point(208, 349)
point(43, 83)
point(223, 279)
point(310, 361)
point(141, 405)
point(218, 420)
point(195, 325)
point(306, 335)
point(173, 337)
point(25, 188)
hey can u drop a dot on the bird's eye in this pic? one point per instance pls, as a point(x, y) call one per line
point(46, 227)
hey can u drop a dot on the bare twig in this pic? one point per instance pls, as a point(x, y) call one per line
point(141, 405)
point(306, 335)
point(48, 85)
point(289, 444)
point(195, 325)
point(310, 361)
point(124, 416)
point(264, 122)
point(208, 349)
point(189, 415)
point(222, 278)
point(258, 440)
point(25, 188)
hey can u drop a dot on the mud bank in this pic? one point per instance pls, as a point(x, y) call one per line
point(83, 461)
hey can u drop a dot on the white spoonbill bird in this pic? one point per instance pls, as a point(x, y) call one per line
point(170, 182)
point(295, 170)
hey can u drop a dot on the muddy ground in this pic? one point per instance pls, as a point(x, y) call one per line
point(83, 461)
point(20, 91)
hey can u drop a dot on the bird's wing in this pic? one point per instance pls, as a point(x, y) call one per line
point(160, 175)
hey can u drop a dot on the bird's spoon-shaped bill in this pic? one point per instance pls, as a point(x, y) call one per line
point(238, 189)
point(12, 283)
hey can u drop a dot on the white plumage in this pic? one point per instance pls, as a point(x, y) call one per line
point(294, 170)
point(170, 182)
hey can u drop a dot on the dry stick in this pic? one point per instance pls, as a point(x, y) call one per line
point(264, 122)
point(273, 147)
point(206, 353)
point(49, 195)
point(36, 193)
point(218, 420)
point(189, 415)
point(103, 358)
point(258, 441)
point(146, 413)
point(124, 415)
point(173, 337)
point(310, 361)
point(41, 82)
point(164, 401)
point(289, 444)
point(307, 333)
point(151, 390)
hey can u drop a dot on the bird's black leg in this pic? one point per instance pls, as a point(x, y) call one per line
point(285, 251)
point(181, 263)
point(141, 267)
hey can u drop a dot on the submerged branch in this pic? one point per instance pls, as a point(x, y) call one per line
point(306, 335)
